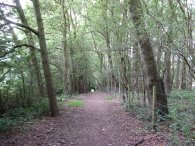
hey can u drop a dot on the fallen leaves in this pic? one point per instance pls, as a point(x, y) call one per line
point(98, 123)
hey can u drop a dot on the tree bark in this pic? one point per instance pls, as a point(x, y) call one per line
point(45, 60)
point(167, 75)
point(153, 77)
point(67, 53)
point(107, 39)
point(177, 76)
point(183, 76)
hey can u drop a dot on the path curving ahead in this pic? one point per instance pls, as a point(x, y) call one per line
point(100, 122)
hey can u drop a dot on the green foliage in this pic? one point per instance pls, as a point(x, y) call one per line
point(185, 94)
point(181, 112)
point(19, 116)
point(142, 112)
point(75, 103)
point(63, 97)
point(180, 119)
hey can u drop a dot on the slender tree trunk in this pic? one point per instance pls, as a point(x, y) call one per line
point(172, 70)
point(177, 76)
point(189, 24)
point(1, 104)
point(183, 76)
point(190, 46)
point(158, 60)
point(148, 57)
point(67, 53)
point(107, 39)
point(32, 50)
point(23, 90)
point(45, 60)
point(167, 75)
point(136, 65)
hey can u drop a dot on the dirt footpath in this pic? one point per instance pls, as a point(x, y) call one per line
point(100, 122)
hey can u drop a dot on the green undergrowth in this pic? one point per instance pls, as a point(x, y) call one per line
point(20, 115)
point(181, 113)
point(179, 121)
point(75, 103)
point(63, 97)
point(109, 97)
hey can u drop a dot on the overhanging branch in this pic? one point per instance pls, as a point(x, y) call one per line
point(26, 45)
point(7, 5)
point(18, 46)
point(192, 71)
point(3, 76)
point(20, 25)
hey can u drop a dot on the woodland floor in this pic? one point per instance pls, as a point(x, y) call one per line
point(100, 122)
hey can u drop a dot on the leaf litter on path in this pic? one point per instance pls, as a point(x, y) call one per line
point(97, 123)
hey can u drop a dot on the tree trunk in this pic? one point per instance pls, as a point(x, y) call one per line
point(172, 70)
point(136, 65)
point(183, 76)
point(45, 60)
point(158, 60)
point(190, 46)
point(177, 76)
point(189, 23)
point(23, 89)
point(33, 57)
point(153, 77)
point(67, 53)
point(1, 103)
point(167, 75)
point(107, 39)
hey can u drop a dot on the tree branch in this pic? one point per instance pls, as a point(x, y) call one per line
point(182, 9)
point(2, 25)
point(7, 5)
point(2, 77)
point(6, 53)
point(18, 46)
point(26, 45)
point(20, 28)
point(192, 71)
point(21, 25)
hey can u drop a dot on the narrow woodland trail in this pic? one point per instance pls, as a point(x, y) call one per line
point(100, 122)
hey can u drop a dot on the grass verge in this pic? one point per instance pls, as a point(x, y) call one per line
point(109, 97)
point(75, 103)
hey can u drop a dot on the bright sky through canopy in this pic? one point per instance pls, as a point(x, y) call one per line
point(23, 2)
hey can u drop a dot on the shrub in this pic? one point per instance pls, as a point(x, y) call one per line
point(20, 115)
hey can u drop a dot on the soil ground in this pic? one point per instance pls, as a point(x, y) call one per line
point(100, 122)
